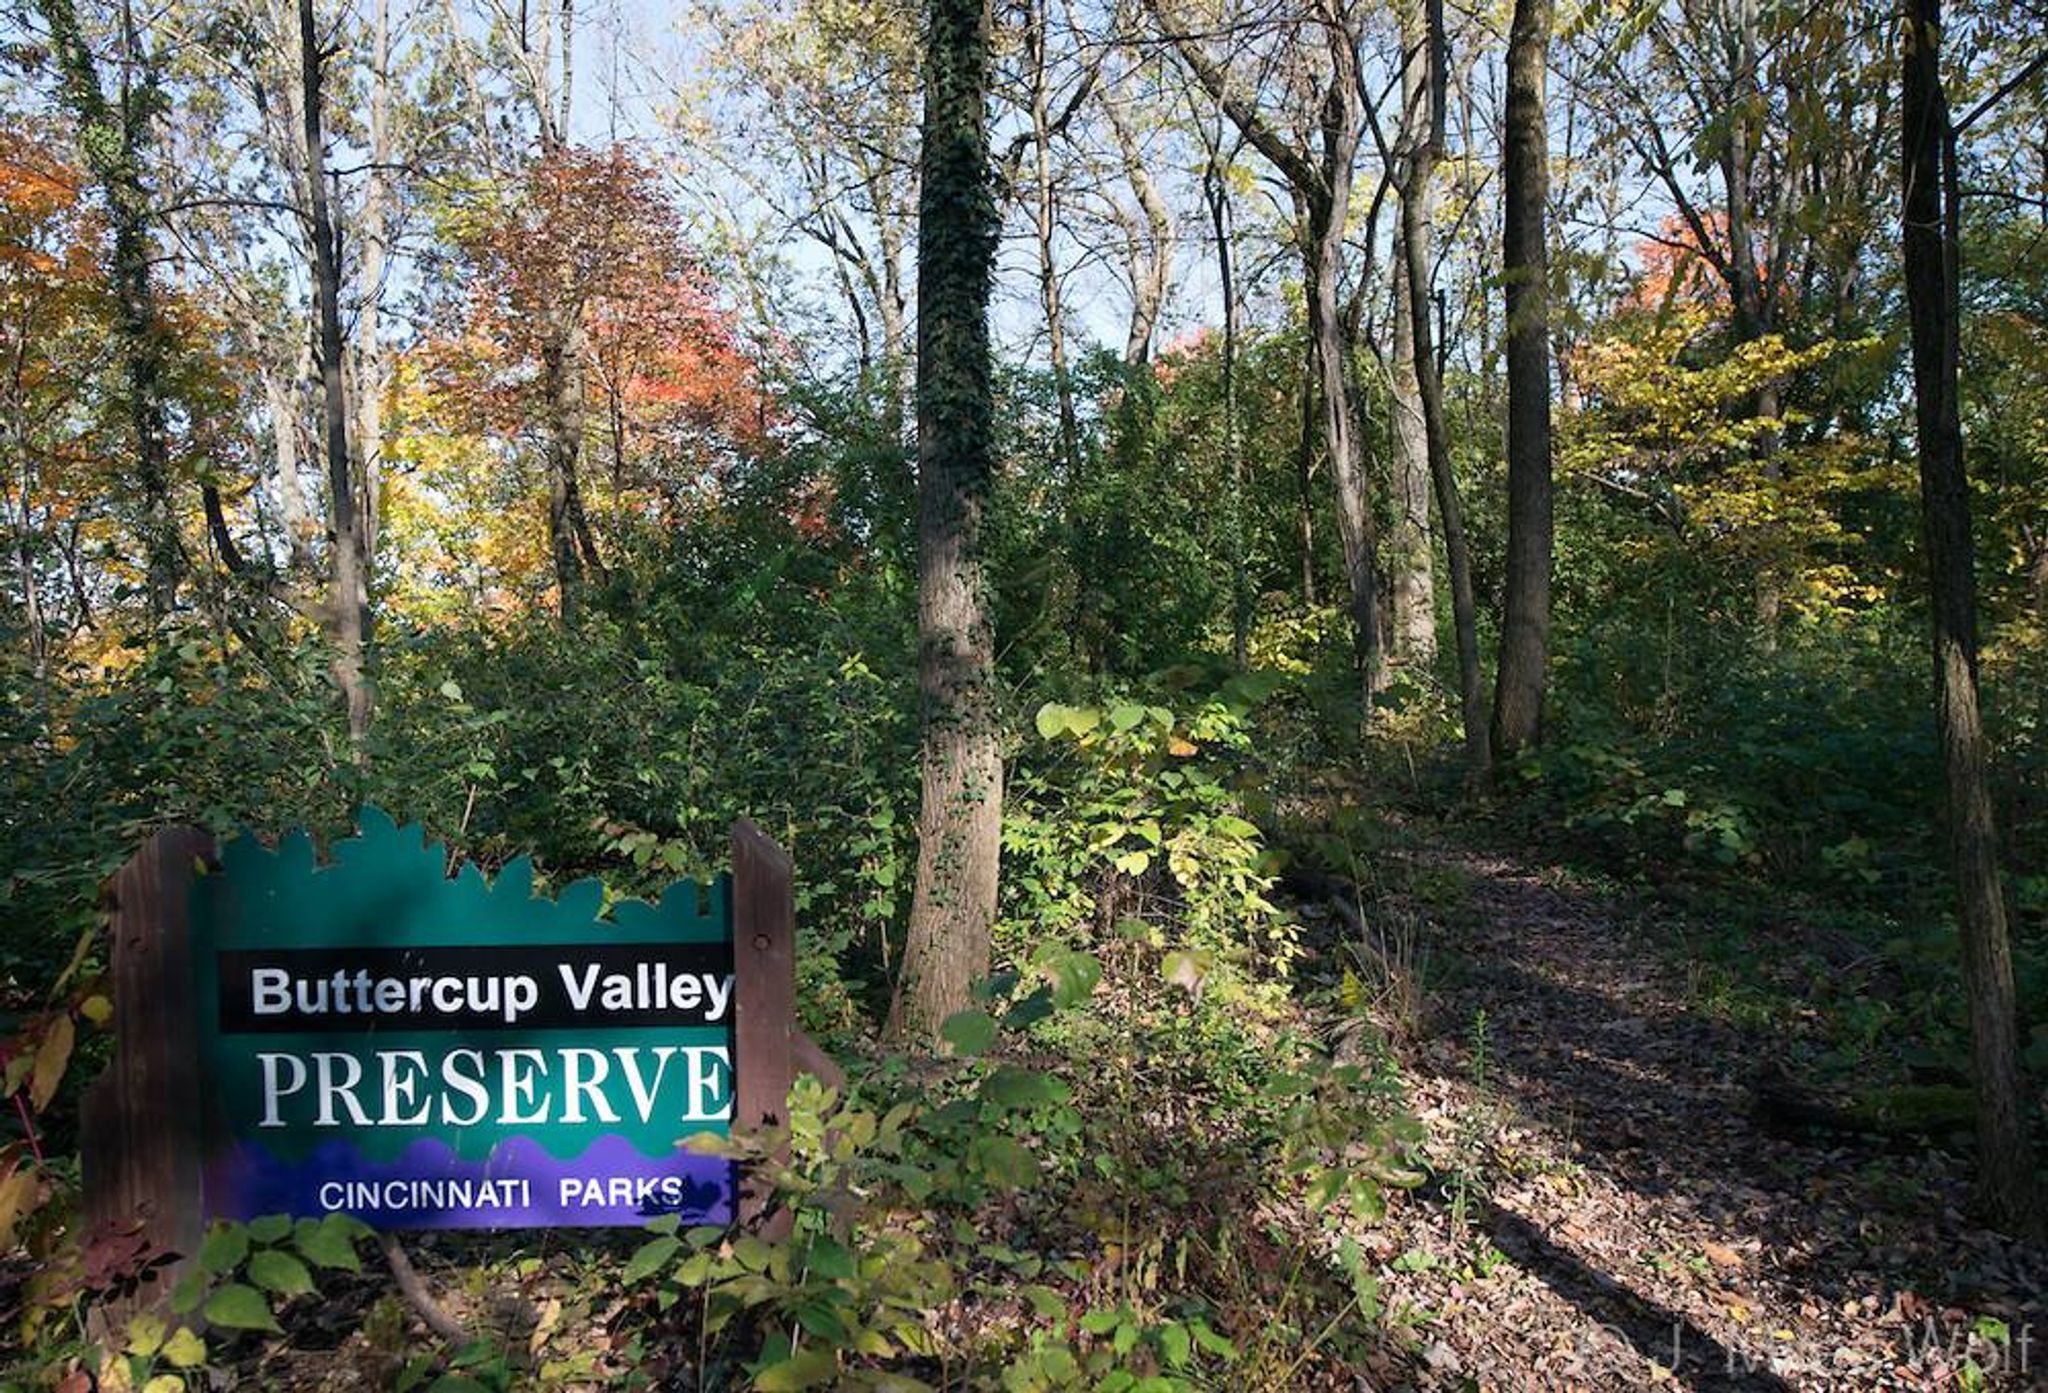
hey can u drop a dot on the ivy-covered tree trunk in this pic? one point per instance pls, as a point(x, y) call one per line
point(111, 135)
point(960, 823)
point(1525, 263)
point(2005, 1165)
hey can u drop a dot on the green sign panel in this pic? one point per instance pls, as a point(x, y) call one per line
point(381, 1040)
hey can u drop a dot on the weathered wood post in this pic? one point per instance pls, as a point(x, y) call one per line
point(768, 1048)
point(139, 1123)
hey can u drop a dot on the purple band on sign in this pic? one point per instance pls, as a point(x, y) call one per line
point(427, 1186)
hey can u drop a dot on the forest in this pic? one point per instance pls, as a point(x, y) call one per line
point(1401, 647)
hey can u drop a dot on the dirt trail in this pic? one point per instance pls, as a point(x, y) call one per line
point(1607, 1214)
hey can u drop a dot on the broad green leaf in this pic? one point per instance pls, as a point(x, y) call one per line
point(1046, 1303)
point(969, 1032)
point(327, 1243)
point(1028, 1010)
point(1177, 1344)
point(650, 1257)
point(275, 1270)
point(830, 1259)
point(807, 1368)
point(268, 1228)
point(1074, 978)
point(223, 1248)
point(240, 1307)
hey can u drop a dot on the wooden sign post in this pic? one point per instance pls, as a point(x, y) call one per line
point(372, 1037)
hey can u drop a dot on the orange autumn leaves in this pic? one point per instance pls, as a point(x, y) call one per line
point(585, 258)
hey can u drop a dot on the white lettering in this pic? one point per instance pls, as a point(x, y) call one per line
point(708, 1070)
point(402, 1091)
point(579, 993)
point(470, 1086)
point(515, 1084)
point(577, 1088)
point(270, 991)
point(330, 1090)
point(271, 1091)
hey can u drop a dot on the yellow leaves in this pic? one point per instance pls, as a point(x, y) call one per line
point(53, 1054)
point(17, 1189)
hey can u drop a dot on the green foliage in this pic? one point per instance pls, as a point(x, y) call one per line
point(246, 1273)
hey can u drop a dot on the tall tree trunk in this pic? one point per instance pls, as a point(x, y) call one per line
point(112, 137)
point(1525, 261)
point(1151, 257)
point(569, 539)
point(1410, 570)
point(1356, 529)
point(1429, 388)
point(960, 822)
point(1319, 180)
point(25, 565)
point(348, 591)
point(1930, 213)
point(1216, 191)
point(1304, 488)
point(895, 312)
point(377, 219)
point(281, 396)
point(1044, 209)
point(1753, 315)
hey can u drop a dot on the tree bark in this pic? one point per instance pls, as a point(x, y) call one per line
point(281, 396)
point(1411, 570)
point(1525, 612)
point(1151, 256)
point(1045, 210)
point(377, 233)
point(112, 136)
point(960, 822)
point(569, 540)
point(1216, 192)
point(1429, 387)
point(1410, 564)
point(348, 590)
point(1930, 215)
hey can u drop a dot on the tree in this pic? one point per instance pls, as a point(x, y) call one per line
point(56, 314)
point(1931, 221)
point(1525, 261)
point(586, 238)
point(1427, 119)
point(960, 821)
point(1318, 174)
point(348, 578)
point(113, 135)
point(1410, 564)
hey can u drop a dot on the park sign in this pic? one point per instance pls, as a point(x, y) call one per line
point(371, 1036)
